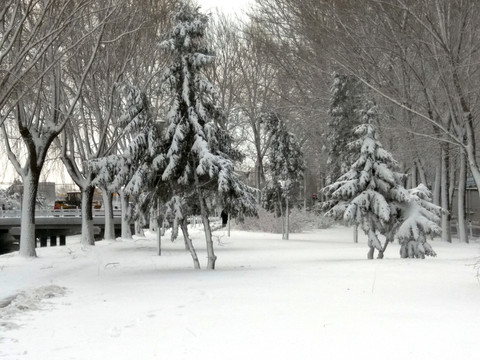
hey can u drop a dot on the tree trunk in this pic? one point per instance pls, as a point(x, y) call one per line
point(258, 179)
point(471, 156)
point(188, 242)
point(287, 218)
point(370, 253)
point(126, 231)
point(452, 173)
point(305, 192)
point(139, 228)
point(282, 216)
point(421, 172)
point(152, 220)
point(228, 226)
point(109, 233)
point(206, 226)
point(414, 175)
point(436, 187)
point(462, 188)
point(389, 239)
point(27, 228)
point(445, 203)
point(155, 215)
point(355, 234)
point(88, 236)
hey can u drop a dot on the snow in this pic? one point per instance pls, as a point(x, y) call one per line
point(311, 297)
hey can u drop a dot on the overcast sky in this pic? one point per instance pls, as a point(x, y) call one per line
point(227, 6)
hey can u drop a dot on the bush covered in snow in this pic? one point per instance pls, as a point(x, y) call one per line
point(299, 221)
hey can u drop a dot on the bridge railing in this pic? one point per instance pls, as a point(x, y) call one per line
point(57, 213)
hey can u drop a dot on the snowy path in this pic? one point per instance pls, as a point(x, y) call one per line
point(314, 296)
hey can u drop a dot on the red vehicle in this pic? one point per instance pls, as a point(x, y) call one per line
point(61, 204)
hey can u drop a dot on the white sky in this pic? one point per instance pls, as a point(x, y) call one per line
point(227, 6)
point(230, 7)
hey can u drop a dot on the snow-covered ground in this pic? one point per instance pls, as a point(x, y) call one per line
point(314, 296)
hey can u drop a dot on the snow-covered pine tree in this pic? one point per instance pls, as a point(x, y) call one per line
point(347, 98)
point(286, 166)
point(370, 193)
point(196, 156)
point(420, 219)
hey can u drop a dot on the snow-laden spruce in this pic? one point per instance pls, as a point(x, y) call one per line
point(197, 155)
point(286, 166)
point(370, 193)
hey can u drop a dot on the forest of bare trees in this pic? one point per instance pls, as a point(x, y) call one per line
point(418, 60)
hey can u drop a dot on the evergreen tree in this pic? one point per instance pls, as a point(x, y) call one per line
point(370, 194)
point(286, 167)
point(347, 95)
point(420, 219)
point(197, 154)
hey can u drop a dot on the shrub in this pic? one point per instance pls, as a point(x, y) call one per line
point(299, 221)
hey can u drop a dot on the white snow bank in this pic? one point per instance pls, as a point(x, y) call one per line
point(25, 301)
point(311, 297)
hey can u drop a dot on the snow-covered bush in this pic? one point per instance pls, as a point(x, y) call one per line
point(299, 221)
point(420, 219)
point(10, 200)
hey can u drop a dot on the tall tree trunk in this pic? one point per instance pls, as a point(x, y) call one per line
point(228, 225)
point(88, 236)
point(206, 226)
point(462, 188)
point(470, 147)
point(305, 192)
point(287, 217)
point(126, 231)
point(188, 242)
point(414, 175)
point(446, 230)
point(159, 220)
point(355, 234)
point(421, 172)
point(109, 233)
point(471, 156)
point(27, 228)
point(437, 187)
point(452, 173)
point(139, 228)
point(282, 215)
point(259, 177)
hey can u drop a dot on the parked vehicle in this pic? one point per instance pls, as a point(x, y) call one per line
point(74, 198)
point(62, 204)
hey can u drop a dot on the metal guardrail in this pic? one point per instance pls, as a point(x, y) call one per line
point(57, 213)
